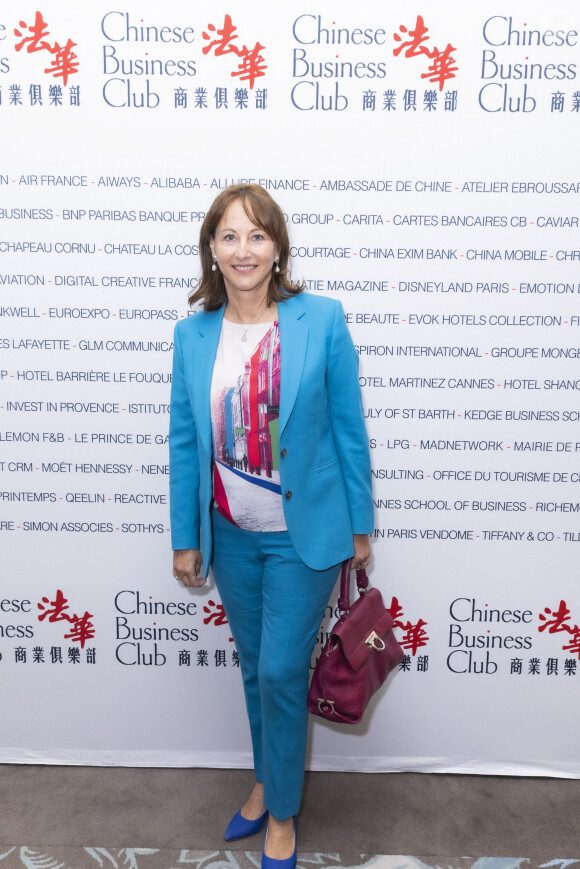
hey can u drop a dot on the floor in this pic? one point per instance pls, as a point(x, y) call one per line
point(402, 813)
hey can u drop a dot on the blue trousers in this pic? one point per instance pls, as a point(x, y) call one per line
point(274, 604)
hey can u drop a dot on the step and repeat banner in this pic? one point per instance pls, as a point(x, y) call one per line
point(425, 156)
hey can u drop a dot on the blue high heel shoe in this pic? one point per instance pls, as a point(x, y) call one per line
point(272, 863)
point(240, 827)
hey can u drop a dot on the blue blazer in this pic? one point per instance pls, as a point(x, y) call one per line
point(325, 471)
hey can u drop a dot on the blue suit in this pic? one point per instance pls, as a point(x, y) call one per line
point(275, 585)
point(324, 457)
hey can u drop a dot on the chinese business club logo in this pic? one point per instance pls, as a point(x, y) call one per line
point(80, 628)
point(63, 59)
point(559, 621)
point(413, 42)
point(222, 40)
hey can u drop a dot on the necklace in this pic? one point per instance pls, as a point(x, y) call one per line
point(246, 326)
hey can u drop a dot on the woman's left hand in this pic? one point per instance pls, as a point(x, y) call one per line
point(362, 551)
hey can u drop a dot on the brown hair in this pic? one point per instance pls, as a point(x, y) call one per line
point(268, 216)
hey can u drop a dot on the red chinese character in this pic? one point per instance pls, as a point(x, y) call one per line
point(395, 610)
point(218, 616)
point(82, 629)
point(65, 61)
point(223, 44)
point(574, 644)
point(415, 45)
point(56, 614)
point(415, 636)
point(442, 67)
point(38, 32)
point(556, 624)
point(253, 64)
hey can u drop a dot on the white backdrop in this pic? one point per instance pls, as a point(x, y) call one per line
point(425, 156)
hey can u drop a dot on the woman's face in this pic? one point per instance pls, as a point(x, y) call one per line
point(245, 253)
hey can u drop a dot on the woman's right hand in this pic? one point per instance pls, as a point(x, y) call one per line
point(186, 567)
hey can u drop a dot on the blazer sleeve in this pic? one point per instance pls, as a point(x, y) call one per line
point(348, 424)
point(184, 474)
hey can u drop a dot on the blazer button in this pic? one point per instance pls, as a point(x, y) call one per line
point(288, 495)
point(284, 453)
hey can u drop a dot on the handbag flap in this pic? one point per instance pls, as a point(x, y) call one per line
point(367, 615)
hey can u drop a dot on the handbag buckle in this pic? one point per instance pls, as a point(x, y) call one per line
point(373, 641)
point(325, 705)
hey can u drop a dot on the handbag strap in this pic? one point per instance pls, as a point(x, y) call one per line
point(362, 582)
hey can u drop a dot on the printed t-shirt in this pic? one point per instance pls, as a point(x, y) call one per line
point(245, 409)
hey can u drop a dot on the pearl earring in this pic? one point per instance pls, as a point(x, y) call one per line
point(214, 264)
point(277, 269)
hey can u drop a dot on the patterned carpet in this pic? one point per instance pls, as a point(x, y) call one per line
point(54, 857)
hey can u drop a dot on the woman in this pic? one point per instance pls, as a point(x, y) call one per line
point(270, 480)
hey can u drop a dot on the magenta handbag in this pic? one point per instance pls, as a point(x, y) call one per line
point(358, 656)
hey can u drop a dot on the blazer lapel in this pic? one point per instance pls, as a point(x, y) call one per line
point(293, 344)
point(207, 340)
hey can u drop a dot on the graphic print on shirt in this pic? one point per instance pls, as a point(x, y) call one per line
point(245, 420)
